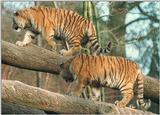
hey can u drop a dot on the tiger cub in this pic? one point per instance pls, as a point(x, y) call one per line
point(106, 71)
point(52, 23)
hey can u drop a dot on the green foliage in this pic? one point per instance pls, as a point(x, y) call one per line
point(85, 51)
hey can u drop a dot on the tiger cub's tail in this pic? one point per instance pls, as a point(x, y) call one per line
point(107, 49)
point(140, 91)
point(96, 48)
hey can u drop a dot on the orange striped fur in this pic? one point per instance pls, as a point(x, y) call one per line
point(106, 71)
point(65, 24)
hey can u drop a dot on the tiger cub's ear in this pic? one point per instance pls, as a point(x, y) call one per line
point(62, 66)
point(15, 13)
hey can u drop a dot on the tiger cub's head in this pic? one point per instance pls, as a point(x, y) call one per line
point(20, 20)
point(65, 71)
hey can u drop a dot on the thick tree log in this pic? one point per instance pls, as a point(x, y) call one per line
point(12, 108)
point(151, 88)
point(39, 59)
point(31, 57)
point(20, 93)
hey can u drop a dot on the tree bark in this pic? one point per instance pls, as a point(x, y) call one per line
point(12, 108)
point(151, 88)
point(20, 93)
point(116, 19)
point(31, 57)
point(39, 59)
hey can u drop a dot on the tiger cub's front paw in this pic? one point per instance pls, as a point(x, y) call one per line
point(72, 94)
point(54, 48)
point(20, 43)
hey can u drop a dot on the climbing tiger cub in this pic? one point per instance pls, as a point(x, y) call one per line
point(52, 23)
point(106, 71)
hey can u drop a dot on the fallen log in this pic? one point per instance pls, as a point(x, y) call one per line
point(20, 93)
point(13, 108)
point(151, 88)
point(31, 57)
point(39, 59)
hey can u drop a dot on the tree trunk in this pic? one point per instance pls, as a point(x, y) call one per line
point(155, 62)
point(39, 59)
point(20, 93)
point(151, 88)
point(117, 19)
point(95, 17)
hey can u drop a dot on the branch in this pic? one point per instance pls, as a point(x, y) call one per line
point(133, 4)
point(31, 57)
point(153, 18)
point(36, 58)
point(136, 20)
point(20, 93)
point(151, 88)
point(10, 108)
point(129, 23)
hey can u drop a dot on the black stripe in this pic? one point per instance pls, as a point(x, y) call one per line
point(94, 43)
point(105, 77)
point(71, 39)
point(74, 42)
point(122, 77)
point(94, 38)
point(43, 17)
point(71, 46)
point(101, 61)
point(105, 73)
point(125, 89)
point(74, 25)
point(33, 8)
point(61, 22)
point(58, 20)
point(67, 26)
point(123, 71)
point(97, 47)
point(101, 50)
point(81, 57)
point(78, 20)
point(120, 72)
point(115, 72)
point(65, 20)
point(112, 71)
point(73, 19)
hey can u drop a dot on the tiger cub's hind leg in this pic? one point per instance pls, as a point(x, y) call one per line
point(73, 48)
point(127, 93)
point(73, 51)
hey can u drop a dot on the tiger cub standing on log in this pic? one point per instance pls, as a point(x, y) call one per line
point(106, 71)
point(65, 24)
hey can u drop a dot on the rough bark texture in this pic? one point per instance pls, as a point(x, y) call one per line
point(36, 58)
point(12, 108)
point(20, 93)
point(151, 88)
point(31, 57)
point(116, 19)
